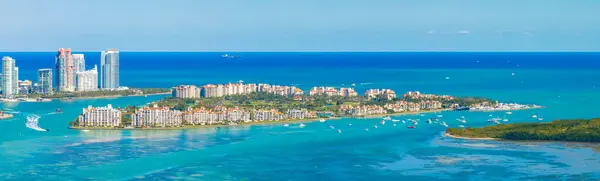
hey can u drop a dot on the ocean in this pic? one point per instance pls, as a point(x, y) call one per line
point(567, 84)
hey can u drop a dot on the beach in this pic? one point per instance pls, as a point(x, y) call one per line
point(467, 138)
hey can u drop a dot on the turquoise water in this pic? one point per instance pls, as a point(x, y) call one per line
point(317, 152)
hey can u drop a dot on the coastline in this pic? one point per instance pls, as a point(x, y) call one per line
point(260, 123)
point(97, 97)
point(114, 96)
point(399, 113)
point(467, 138)
point(208, 126)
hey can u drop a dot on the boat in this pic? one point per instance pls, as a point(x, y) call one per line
point(439, 116)
point(403, 121)
point(444, 124)
point(541, 119)
point(462, 121)
point(286, 125)
point(375, 126)
point(505, 120)
point(322, 120)
point(394, 124)
point(463, 117)
point(85, 130)
point(447, 78)
point(339, 131)
point(461, 126)
point(382, 122)
point(513, 74)
point(350, 124)
point(490, 115)
point(412, 127)
point(387, 118)
point(395, 120)
point(332, 127)
point(353, 84)
point(301, 125)
point(461, 108)
point(509, 112)
point(422, 114)
point(58, 110)
point(366, 129)
point(490, 120)
point(534, 116)
point(429, 121)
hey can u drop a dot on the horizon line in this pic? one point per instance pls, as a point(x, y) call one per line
point(326, 51)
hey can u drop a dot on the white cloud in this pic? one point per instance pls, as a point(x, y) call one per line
point(463, 32)
point(431, 32)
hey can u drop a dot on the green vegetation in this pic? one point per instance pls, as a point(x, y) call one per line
point(102, 93)
point(559, 130)
point(262, 100)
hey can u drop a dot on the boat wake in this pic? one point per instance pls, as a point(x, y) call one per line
point(32, 122)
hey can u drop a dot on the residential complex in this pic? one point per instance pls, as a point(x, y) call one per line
point(87, 80)
point(109, 69)
point(45, 81)
point(65, 73)
point(219, 90)
point(10, 77)
point(156, 117)
point(185, 91)
point(387, 93)
point(332, 91)
point(100, 117)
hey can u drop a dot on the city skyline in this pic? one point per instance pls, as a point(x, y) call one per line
point(246, 26)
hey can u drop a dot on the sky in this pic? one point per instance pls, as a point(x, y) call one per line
point(300, 25)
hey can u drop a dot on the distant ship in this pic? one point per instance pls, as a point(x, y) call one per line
point(58, 110)
point(229, 56)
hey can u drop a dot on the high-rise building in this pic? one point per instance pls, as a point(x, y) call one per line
point(65, 75)
point(185, 91)
point(45, 81)
point(10, 77)
point(109, 69)
point(87, 80)
point(78, 63)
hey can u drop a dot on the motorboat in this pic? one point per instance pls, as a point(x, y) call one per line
point(412, 127)
point(387, 118)
point(534, 116)
point(322, 120)
point(382, 122)
point(301, 125)
point(339, 131)
point(444, 124)
point(461, 126)
point(286, 125)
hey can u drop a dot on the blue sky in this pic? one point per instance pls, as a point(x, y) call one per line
point(301, 25)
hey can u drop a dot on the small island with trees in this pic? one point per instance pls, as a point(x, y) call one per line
point(578, 130)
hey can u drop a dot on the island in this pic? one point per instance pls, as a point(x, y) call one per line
point(243, 104)
point(578, 130)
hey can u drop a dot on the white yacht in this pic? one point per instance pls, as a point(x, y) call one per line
point(322, 120)
point(301, 125)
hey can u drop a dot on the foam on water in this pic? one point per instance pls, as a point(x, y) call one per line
point(32, 122)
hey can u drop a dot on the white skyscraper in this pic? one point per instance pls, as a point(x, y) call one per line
point(78, 63)
point(87, 80)
point(10, 77)
point(109, 69)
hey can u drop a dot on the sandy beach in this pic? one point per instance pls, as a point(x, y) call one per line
point(467, 138)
